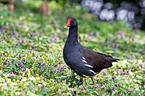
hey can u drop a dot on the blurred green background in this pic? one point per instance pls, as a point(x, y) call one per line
point(31, 44)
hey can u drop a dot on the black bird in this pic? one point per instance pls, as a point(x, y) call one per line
point(82, 60)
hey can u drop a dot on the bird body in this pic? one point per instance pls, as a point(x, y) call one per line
point(82, 60)
point(76, 61)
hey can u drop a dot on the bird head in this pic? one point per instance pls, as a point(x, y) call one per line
point(71, 22)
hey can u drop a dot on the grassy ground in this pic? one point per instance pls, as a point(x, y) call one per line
point(31, 61)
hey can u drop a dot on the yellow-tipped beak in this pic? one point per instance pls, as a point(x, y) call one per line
point(65, 27)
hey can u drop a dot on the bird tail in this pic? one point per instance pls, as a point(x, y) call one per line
point(109, 64)
point(115, 60)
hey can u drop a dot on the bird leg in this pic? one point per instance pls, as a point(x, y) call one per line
point(72, 77)
point(82, 80)
point(93, 80)
point(72, 72)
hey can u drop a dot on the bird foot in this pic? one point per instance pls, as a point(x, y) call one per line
point(94, 84)
point(83, 83)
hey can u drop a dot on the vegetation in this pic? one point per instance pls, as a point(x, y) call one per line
point(31, 61)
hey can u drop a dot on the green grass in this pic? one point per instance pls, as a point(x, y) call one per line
point(31, 61)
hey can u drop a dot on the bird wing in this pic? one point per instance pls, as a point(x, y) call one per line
point(98, 60)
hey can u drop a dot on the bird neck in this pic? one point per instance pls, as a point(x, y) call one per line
point(73, 35)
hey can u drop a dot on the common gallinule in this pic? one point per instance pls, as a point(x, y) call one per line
point(82, 60)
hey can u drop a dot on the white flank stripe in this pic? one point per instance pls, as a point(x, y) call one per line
point(84, 61)
point(84, 58)
point(92, 71)
point(89, 65)
point(84, 75)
